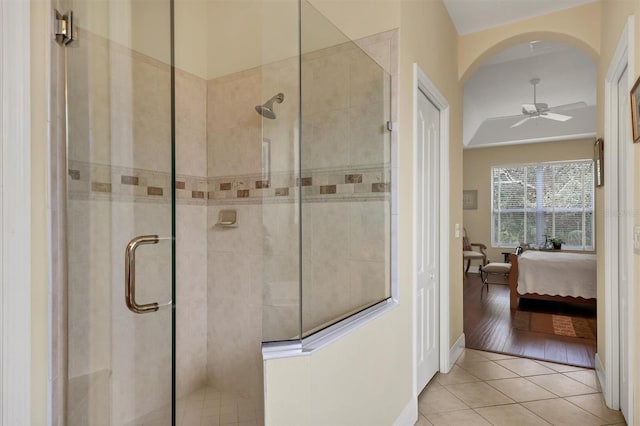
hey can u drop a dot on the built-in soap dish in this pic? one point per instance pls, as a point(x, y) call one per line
point(227, 219)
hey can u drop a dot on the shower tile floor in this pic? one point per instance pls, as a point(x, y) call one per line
point(208, 407)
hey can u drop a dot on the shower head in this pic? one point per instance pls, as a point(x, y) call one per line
point(266, 109)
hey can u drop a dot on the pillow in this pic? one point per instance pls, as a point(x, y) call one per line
point(466, 245)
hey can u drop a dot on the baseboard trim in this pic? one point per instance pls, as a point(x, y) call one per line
point(474, 269)
point(601, 373)
point(455, 352)
point(408, 416)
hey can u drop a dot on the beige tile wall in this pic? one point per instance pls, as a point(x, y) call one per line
point(346, 246)
point(345, 157)
point(234, 302)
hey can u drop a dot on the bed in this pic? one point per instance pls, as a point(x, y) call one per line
point(556, 276)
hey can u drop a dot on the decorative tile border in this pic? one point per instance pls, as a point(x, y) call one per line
point(99, 181)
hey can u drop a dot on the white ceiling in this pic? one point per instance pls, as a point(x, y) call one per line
point(494, 94)
point(470, 16)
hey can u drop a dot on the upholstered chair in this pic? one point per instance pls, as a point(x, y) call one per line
point(472, 251)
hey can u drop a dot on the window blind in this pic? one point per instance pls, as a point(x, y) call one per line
point(531, 202)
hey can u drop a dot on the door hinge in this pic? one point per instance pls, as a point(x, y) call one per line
point(63, 28)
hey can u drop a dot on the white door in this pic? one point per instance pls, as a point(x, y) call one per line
point(427, 241)
point(624, 241)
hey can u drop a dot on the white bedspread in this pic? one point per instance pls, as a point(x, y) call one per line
point(557, 274)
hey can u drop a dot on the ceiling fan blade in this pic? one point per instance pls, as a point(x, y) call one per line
point(564, 107)
point(521, 122)
point(556, 117)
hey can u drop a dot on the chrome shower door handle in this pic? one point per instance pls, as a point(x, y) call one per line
point(130, 275)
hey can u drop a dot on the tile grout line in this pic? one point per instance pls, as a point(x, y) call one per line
point(446, 387)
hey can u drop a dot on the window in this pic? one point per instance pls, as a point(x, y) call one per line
point(533, 201)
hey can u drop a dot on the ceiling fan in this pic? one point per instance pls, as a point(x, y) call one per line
point(538, 109)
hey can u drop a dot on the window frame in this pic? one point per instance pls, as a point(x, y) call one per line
point(544, 210)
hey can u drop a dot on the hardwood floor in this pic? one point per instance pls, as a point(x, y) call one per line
point(488, 327)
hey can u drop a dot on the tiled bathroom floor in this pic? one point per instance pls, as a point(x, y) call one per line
point(208, 407)
point(485, 388)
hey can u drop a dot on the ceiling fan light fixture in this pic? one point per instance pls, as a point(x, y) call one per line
point(538, 109)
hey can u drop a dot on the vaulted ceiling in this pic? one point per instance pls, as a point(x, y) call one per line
point(494, 94)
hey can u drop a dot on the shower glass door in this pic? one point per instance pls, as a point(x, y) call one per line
point(120, 201)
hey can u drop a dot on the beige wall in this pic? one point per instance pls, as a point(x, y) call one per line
point(579, 27)
point(477, 175)
point(427, 38)
point(381, 15)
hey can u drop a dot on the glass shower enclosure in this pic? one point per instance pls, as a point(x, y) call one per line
point(120, 212)
point(229, 184)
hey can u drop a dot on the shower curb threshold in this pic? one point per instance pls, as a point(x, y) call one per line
point(327, 336)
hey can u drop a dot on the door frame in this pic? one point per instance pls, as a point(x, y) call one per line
point(422, 83)
point(15, 207)
point(609, 373)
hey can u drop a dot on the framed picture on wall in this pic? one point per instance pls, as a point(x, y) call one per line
point(470, 199)
point(635, 111)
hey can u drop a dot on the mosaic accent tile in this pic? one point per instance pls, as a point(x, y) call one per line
point(306, 181)
point(328, 189)
point(243, 193)
point(129, 180)
point(154, 190)
point(226, 186)
point(262, 184)
point(74, 174)
point(355, 178)
point(100, 187)
point(282, 192)
point(197, 194)
point(180, 185)
point(380, 187)
point(242, 184)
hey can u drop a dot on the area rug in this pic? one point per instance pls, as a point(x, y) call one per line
point(560, 325)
